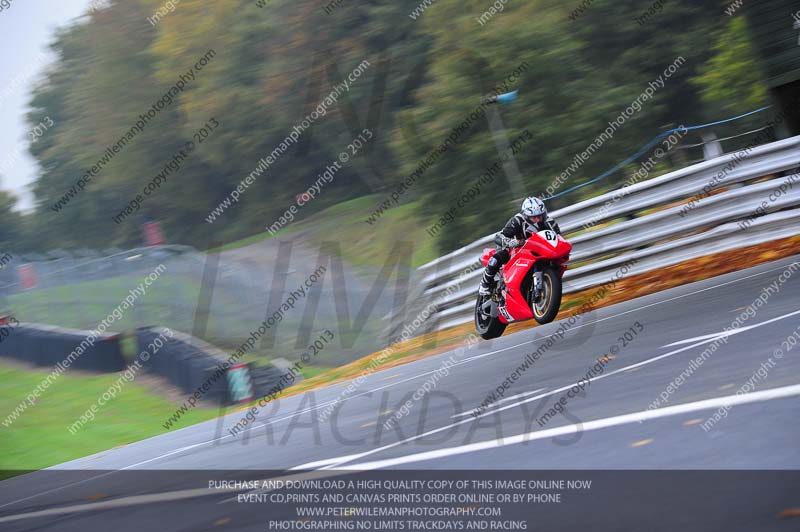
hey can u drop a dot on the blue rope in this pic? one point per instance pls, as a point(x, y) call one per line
point(729, 119)
point(646, 147)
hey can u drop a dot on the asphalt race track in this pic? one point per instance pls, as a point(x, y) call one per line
point(608, 425)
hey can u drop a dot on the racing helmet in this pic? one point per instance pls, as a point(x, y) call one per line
point(533, 208)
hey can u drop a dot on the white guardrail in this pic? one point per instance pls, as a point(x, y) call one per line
point(655, 223)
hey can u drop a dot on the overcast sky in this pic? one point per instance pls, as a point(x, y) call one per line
point(26, 28)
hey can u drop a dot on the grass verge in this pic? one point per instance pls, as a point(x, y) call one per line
point(40, 438)
point(366, 245)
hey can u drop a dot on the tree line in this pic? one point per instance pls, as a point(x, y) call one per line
point(275, 64)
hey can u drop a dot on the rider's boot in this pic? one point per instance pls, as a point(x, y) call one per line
point(487, 284)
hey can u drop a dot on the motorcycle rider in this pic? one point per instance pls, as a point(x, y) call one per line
point(531, 219)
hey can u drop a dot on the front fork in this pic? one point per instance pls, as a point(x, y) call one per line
point(537, 280)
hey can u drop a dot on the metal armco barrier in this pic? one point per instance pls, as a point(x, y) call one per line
point(656, 223)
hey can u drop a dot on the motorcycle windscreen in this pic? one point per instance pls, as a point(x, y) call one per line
point(548, 245)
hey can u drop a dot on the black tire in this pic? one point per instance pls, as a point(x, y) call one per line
point(486, 326)
point(545, 310)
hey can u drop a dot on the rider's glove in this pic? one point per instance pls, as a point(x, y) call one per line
point(507, 242)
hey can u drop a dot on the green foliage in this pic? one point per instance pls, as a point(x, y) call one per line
point(11, 228)
point(274, 65)
point(40, 438)
point(730, 82)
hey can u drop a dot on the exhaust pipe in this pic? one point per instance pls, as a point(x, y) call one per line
point(490, 308)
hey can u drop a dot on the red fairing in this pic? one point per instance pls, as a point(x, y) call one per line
point(488, 253)
point(520, 265)
point(545, 250)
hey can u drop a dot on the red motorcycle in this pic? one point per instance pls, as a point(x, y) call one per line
point(528, 286)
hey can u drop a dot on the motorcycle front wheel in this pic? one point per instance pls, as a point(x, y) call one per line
point(546, 306)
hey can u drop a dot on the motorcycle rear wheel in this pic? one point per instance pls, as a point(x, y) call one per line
point(486, 326)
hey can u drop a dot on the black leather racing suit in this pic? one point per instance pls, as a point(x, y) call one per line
point(517, 228)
